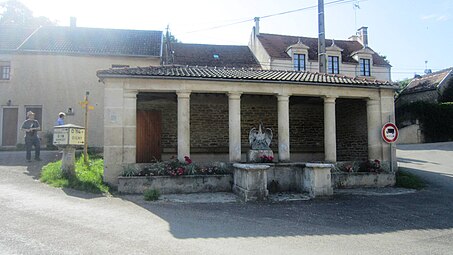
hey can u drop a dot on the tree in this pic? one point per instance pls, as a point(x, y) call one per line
point(403, 84)
point(13, 12)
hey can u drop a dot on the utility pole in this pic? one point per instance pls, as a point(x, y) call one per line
point(321, 38)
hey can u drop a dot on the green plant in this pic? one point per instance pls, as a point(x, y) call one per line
point(88, 177)
point(151, 194)
point(130, 170)
point(49, 141)
point(405, 179)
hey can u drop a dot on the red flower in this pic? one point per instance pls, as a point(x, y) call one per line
point(187, 159)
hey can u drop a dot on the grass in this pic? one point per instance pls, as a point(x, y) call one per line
point(88, 178)
point(405, 179)
point(151, 194)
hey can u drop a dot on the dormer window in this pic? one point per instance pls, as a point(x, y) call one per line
point(365, 67)
point(333, 64)
point(299, 62)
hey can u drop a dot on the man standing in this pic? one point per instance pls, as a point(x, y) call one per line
point(60, 120)
point(31, 127)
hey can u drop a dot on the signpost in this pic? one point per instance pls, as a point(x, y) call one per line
point(68, 137)
point(85, 104)
point(390, 135)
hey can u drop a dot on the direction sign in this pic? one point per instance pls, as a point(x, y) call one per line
point(389, 132)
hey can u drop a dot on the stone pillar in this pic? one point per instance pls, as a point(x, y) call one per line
point(113, 132)
point(234, 116)
point(316, 179)
point(330, 142)
point(374, 127)
point(183, 124)
point(283, 128)
point(129, 126)
point(387, 115)
point(250, 181)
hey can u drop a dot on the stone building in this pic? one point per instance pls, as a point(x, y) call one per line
point(49, 70)
point(206, 114)
point(352, 57)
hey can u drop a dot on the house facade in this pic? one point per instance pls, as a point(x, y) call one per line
point(206, 114)
point(352, 58)
point(50, 70)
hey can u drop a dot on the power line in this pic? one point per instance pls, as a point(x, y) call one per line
point(272, 15)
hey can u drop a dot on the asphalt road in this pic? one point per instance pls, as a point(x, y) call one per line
point(38, 219)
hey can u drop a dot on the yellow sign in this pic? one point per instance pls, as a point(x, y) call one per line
point(77, 136)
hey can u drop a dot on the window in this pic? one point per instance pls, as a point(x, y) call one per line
point(333, 64)
point(38, 113)
point(299, 62)
point(5, 71)
point(365, 67)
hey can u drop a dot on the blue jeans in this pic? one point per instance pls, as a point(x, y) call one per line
point(32, 141)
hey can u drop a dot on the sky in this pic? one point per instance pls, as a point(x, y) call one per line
point(407, 32)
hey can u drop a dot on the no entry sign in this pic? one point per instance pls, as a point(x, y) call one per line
point(389, 132)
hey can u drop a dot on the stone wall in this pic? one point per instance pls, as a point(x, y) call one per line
point(209, 123)
point(352, 136)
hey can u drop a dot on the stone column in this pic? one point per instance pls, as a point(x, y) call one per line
point(234, 116)
point(283, 128)
point(374, 127)
point(183, 124)
point(129, 126)
point(330, 136)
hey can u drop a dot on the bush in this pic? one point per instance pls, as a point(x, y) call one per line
point(408, 180)
point(151, 194)
point(88, 177)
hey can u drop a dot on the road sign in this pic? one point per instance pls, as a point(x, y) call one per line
point(389, 132)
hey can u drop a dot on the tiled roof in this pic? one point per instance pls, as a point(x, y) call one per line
point(276, 46)
point(427, 82)
point(232, 74)
point(12, 37)
point(95, 41)
point(213, 55)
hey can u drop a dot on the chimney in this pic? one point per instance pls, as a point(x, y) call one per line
point(363, 35)
point(257, 25)
point(73, 22)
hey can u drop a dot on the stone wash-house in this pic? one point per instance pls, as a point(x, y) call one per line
point(49, 70)
point(353, 57)
point(206, 113)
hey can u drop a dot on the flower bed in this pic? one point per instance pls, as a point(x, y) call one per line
point(362, 174)
point(172, 177)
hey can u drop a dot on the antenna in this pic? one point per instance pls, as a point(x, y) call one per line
point(355, 6)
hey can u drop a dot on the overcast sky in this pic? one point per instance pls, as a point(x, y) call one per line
point(408, 32)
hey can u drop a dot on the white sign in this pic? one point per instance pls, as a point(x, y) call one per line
point(61, 136)
point(68, 135)
point(390, 133)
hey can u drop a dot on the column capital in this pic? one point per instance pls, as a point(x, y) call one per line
point(283, 97)
point(329, 99)
point(183, 94)
point(372, 101)
point(130, 93)
point(234, 95)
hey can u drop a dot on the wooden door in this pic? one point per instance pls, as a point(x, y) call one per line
point(149, 131)
point(9, 127)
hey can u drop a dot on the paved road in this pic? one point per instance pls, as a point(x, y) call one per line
point(38, 219)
